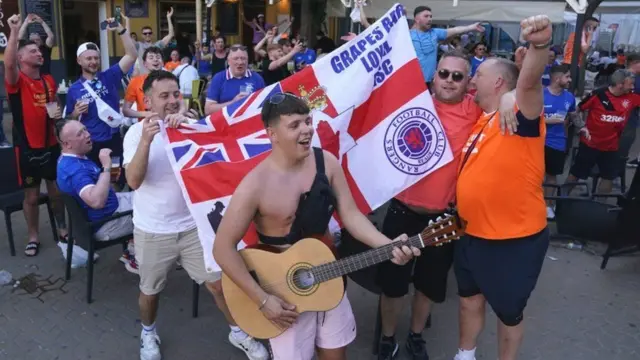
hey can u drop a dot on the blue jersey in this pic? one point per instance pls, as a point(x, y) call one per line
point(557, 106)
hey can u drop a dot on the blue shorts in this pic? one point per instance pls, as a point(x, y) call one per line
point(504, 271)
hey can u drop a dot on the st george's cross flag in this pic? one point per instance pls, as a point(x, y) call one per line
point(370, 108)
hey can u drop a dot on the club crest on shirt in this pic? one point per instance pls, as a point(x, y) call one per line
point(414, 141)
point(626, 103)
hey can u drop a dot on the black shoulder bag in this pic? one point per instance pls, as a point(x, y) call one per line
point(42, 156)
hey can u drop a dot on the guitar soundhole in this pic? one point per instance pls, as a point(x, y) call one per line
point(303, 279)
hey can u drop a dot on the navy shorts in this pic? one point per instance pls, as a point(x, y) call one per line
point(504, 271)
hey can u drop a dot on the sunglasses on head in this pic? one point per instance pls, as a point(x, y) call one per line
point(456, 76)
point(237, 47)
point(278, 98)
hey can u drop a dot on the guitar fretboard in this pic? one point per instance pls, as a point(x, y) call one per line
point(332, 270)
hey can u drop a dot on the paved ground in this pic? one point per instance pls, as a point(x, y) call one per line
point(577, 312)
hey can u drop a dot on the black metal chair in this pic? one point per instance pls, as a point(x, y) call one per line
point(12, 195)
point(365, 278)
point(81, 233)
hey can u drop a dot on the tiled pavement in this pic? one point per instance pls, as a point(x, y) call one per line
point(577, 312)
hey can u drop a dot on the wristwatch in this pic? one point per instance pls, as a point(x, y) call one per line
point(106, 169)
point(122, 32)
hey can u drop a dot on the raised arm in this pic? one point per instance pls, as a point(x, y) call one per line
point(11, 51)
point(258, 48)
point(537, 31)
point(459, 30)
point(167, 39)
point(363, 16)
point(50, 41)
point(22, 34)
point(131, 54)
point(286, 58)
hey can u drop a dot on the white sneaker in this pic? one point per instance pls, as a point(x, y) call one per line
point(462, 357)
point(149, 346)
point(251, 347)
point(550, 213)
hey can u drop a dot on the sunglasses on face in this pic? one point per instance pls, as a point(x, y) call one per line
point(147, 33)
point(456, 76)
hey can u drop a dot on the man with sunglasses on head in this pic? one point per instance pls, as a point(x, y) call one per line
point(425, 39)
point(164, 230)
point(94, 99)
point(271, 197)
point(234, 83)
point(426, 200)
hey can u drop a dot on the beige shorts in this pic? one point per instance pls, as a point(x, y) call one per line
point(120, 226)
point(331, 329)
point(157, 254)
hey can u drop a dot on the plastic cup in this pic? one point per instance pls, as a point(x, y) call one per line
point(52, 109)
point(115, 168)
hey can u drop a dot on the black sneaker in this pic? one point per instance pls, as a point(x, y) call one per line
point(417, 347)
point(388, 348)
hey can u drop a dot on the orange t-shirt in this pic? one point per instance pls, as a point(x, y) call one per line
point(568, 50)
point(438, 189)
point(171, 65)
point(499, 191)
point(134, 93)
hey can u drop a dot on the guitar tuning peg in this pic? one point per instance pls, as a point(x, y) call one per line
point(446, 215)
point(430, 222)
point(439, 218)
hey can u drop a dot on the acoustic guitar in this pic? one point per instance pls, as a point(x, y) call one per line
point(308, 275)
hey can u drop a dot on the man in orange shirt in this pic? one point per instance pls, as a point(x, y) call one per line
point(500, 196)
point(151, 60)
point(590, 26)
point(411, 211)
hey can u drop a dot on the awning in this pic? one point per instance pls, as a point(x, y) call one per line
point(467, 10)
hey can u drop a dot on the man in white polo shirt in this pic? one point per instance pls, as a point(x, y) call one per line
point(164, 229)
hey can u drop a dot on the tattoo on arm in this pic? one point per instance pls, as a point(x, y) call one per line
point(576, 119)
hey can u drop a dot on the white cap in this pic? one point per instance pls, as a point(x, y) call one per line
point(86, 46)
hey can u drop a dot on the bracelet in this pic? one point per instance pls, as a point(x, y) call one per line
point(123, 31)
point(264, 302)
point(542, 46)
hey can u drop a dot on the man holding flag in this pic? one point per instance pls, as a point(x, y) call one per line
point(164, 230)
point(269, 197)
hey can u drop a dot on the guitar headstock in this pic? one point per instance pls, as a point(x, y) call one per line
point(444, 229)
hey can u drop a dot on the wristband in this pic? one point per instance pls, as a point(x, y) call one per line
point(123, 31)
point(106, 169)
point(542, 46)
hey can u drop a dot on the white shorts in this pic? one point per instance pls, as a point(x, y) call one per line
point(331, 329)
point(121, 226)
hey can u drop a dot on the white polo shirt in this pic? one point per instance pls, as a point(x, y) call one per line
point(158, 205)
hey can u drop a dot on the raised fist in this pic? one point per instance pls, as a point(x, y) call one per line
point(15, 22)
point(536, 30)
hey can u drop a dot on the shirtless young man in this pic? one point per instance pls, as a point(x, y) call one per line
point(269, 196)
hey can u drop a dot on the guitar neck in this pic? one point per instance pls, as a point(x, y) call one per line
point(338, 268)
